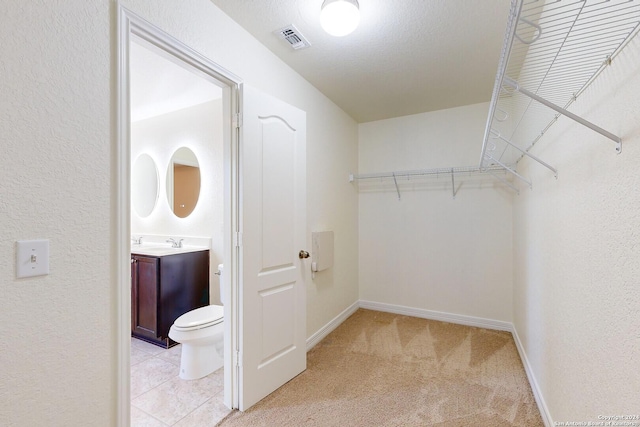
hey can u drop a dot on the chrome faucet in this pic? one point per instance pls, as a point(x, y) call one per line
point(137, 241)
point(175, 244)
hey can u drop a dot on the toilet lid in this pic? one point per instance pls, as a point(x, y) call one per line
point(200, 317)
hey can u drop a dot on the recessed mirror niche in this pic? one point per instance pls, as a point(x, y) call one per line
point(183, 182)
point(144, 185)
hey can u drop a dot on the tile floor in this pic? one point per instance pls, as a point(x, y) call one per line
point(159, 398)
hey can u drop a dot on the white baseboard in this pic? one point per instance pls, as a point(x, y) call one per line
point(438, 315)
point(329, 327)
point(443, 317)
point(537, 393)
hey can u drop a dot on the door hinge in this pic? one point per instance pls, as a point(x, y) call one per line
point(238, 239)
point(237, 358)
point(237, 120)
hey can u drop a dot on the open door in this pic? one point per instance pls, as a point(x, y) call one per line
point(272, 245)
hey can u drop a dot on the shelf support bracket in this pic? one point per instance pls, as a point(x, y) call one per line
point(453, 185)
point(395, 181)
point(507, 168)
point(496, 134)
point(514, 84)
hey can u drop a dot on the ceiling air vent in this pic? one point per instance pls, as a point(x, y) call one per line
point(293, 36)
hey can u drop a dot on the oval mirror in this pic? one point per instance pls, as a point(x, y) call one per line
point(144, 185)
point(183, 182)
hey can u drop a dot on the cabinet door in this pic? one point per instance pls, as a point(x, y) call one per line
point(144, 296)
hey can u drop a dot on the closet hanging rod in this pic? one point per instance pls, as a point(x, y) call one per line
point(426, 172)
point(450, 172)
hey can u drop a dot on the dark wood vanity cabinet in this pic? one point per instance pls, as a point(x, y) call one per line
point(162, 289)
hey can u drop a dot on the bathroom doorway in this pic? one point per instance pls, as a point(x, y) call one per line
point(173, 100)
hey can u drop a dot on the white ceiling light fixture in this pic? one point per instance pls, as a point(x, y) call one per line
point(339, 17)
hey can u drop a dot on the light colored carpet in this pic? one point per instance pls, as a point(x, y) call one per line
point(381, 369)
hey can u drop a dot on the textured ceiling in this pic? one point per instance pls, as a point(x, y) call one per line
point(406, 56)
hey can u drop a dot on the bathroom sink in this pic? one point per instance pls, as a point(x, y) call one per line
point(162, 250)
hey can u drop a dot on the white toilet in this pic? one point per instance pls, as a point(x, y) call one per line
point(201, 333)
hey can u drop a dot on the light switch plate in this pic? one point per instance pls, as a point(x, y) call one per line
point(32, 258)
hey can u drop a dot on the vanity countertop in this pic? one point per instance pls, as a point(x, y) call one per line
point(163, 250)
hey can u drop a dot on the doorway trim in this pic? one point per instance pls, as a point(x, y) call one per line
point(129, 27)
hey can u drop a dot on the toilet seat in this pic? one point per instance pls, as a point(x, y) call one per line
point(199, 318)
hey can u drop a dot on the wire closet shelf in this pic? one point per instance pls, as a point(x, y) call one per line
point(449, 172)
point(553, 50)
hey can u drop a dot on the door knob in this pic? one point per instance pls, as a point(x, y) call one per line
point(303, 254)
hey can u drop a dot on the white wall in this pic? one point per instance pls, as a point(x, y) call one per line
point(57, 358)
point(58, 182)
point(198, 128)
point(577, 256)
point(429, 251)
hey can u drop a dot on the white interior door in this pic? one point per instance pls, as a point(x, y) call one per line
point(273, 228)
